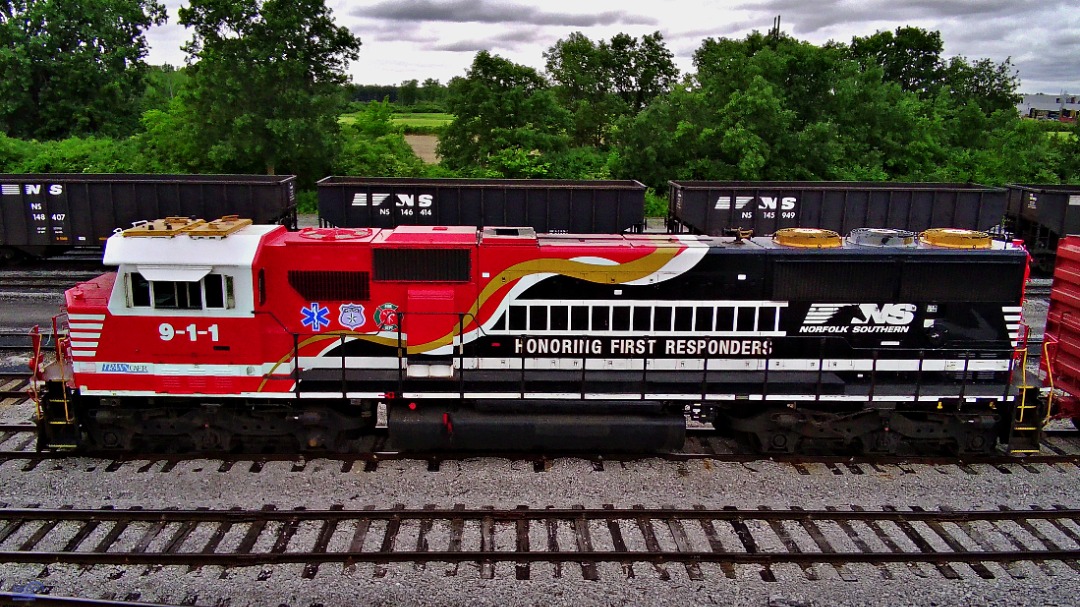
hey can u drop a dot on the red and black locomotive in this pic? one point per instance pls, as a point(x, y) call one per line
point(225, 335)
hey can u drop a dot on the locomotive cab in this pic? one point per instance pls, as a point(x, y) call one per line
point(155, 353)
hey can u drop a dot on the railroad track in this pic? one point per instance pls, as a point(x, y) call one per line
point(576, 538)
point(14, 385)
point(1038, 287)
point(23, 281)
point(75, 259)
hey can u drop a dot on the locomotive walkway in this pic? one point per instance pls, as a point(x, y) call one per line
point(989, 542)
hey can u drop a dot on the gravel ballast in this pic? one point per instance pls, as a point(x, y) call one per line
point(84, 483)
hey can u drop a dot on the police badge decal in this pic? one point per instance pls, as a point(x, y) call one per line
point(351, 316)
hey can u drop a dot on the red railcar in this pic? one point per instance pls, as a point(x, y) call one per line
point(1060, 364)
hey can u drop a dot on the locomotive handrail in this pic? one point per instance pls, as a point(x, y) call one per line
point(645, 375)
point(821, 369)
point(924, 368)
point(584, 363)
point(63, 342)
point(35, 369)
point(296, 365)
point(873, 375)
point(401, 360)
point(344, 381)
point(765, 376)
point(919, 374)
point(1049, 340)
point(461, 354)
point(964, 376)
point(1008, 385)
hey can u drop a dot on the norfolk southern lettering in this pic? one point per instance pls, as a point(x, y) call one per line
point(854, 329)
point(629, 347)
point(858, 318)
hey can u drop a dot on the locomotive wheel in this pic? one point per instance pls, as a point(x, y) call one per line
point(1076, 422)
point(879, 443)
point(211, 439)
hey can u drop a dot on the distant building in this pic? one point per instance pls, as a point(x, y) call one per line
point(1064, 108)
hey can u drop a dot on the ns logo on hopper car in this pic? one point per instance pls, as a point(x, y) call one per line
point(765, 203)
point(30, 189)
point(401, 200)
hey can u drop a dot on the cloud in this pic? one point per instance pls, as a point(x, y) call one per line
point(433, 38)
point(507, 40)
point(809, 17)
point(489, 11)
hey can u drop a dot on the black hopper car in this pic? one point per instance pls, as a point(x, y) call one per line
point(46, 214)
point(545, 205)
point(1041, 215)
point(714, 208)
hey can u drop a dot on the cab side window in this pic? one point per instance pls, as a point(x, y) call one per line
point(213, 291)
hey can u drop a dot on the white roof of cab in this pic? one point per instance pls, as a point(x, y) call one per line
point(183, 251)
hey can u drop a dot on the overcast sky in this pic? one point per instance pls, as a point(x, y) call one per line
point(419, 39)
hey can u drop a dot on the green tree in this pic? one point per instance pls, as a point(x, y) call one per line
point(1018, 151)
point(584, 84)
point(600, 82)
point(1068, 147)
point(640, 70)
point(910, 57)
point(577, 67)
point(431, 91)
point(991, 86)
point(663, 141)
point(163, 84)
point(501, 106)
point(725, 64)
point(373, 145)
point(772, 107)
point(171, 139)
point(13, 152)
point(371, 92)
point(409, 92)
point(753, 132)
point(73, 67)
point(266, 83)
point(769, 101)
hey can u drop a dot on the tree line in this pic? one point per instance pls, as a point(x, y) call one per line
point(766, 107)
point(265, 84)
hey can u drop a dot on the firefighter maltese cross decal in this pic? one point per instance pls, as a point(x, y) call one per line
point(315, 316)
point(386, 317)
point(351, 316)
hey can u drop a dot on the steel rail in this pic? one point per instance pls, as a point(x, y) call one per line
point(152, 526)
point(518, 514)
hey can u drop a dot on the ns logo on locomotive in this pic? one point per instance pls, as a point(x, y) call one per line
point(227, 335)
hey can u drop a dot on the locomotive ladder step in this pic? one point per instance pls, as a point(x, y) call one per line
point(1025, 431)
point(57, 432)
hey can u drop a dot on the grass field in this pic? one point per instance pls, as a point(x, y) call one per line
point(413, 123)
point(423, 120)
point(1061, 135)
